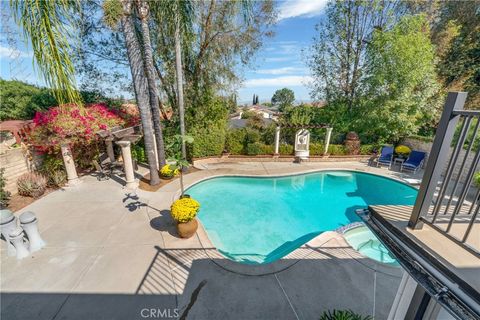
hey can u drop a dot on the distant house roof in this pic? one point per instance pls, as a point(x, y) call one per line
point(242, 123)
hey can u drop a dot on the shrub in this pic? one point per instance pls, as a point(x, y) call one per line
point(138, 153)
point(234, 141)
point(31, 185)
point(268, 149)
point(285, 149)
point(251, 136)
point(167, 171)
point(57, 178)
point(255, 148)
point(53, 169)
point(4, 194)
point(343, 315)
point(184, 210)
point(20, 101)
point(207, 142)
point(71, 124)
point(337, 149)
point(316, 149)
point(129, 113)
point(367, 148)
point(476, 179)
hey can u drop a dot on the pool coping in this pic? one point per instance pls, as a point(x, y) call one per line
point(299, 253)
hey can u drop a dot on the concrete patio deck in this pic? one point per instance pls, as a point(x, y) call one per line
point(113, 254)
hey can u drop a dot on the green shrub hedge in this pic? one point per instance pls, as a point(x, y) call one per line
point(234, 141)
point(207, 142)
point(247, 141)
point(337, 149)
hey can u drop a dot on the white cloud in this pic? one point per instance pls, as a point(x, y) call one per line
point(11, 53)
point(291, 81)
point(301, 8)
point(279, 71)
point(278, 59)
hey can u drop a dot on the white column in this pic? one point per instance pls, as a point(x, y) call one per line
point(403, 298)
point(128, 164)
point(327, 140)
point(72, 176)
point(277, 139)
point(110, 152)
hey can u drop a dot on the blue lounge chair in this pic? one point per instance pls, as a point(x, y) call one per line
point(386, 156)
point(414, 162)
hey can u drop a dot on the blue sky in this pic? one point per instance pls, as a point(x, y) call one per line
point(278, 64)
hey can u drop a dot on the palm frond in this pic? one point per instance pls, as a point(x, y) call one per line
point(48, 26)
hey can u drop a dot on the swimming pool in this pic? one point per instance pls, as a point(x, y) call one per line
point(261, 219)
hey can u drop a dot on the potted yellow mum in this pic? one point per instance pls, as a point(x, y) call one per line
point(402, 151)
point(167, 172)
point(184, 211)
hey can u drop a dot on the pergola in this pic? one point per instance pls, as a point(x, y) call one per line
point(294, 126)
point(123, 137)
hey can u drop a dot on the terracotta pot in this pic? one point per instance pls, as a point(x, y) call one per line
point(187, 229)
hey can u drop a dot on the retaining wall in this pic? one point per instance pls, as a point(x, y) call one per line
point(17, 162)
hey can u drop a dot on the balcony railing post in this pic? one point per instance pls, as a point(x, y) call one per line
point(437, 157)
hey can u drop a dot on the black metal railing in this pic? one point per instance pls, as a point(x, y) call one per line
point(448, 199)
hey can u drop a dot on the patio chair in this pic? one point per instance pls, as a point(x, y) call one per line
point(414, 161)
point(386, 157)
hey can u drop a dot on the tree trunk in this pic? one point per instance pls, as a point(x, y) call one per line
point(179, 74)
point(141, 89)
point(152, 86)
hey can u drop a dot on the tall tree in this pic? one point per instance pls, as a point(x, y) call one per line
point(283, 98)
point(400, 82)
point(143, 13)
point(121, 11)
point(46, 26)
point(338, 51)
point(456, 33)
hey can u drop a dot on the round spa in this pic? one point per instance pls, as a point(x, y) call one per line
point(364, 241)
point(257, 220)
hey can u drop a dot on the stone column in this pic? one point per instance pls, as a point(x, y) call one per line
point(110, 152)
point(327, 140)
point(277, 139)
point(72, 176)
point(128, 164)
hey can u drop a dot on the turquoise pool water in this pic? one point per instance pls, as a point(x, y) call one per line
point(259, 220)
point(364, 241)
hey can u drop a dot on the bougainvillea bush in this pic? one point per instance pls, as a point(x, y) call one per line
point(74, 125)
point(129, 113)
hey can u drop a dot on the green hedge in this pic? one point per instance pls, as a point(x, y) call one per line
point(234, 141)
point(207, 142)
point(247, 141)
point(337, 150)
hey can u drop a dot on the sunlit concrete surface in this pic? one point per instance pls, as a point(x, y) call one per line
point(114, 254)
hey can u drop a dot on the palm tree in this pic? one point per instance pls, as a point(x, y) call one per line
point(137, 68)
point(143, 13)
point(44, 24)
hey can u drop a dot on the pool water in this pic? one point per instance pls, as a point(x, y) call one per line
point(259, 220)
point(364, 241)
